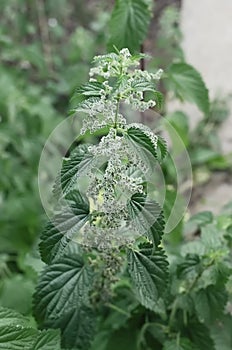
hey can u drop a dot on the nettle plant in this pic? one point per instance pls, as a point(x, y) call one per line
point(106, 223)
point(108, 283)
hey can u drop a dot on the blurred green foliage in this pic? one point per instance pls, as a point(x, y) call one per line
point(46, 49)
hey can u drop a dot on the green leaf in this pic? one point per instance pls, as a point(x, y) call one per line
point(143, 85)
point(144, 143)
point(63, 287)
point(47, 340)
point(203, 155)
point(179, 344)
point(212, 238)
point(121, 338)
point(147, 216)
point(221, 333)
point(72, 168)
point(8, 316)
point(180, 122)
point(91, 89)
point(210, 303)
point(191, 266)
point(142, 138)
point(159, 99)
point(17, 338)
point(66, 223)
point(129, 24)
point(187, 83)
point(77, 328)
point(161, 149)
point(85, 106)
point(90, 92)
point(16, 334)
point(197, 221)
point(148, 271)
point(199, 334)
point(201, 219)
point(156, 96)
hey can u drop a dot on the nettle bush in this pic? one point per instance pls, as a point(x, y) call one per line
point(108, 282)
point(113, 279)
point(110, 226)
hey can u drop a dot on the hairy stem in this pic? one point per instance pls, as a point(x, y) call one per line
point(116, 115)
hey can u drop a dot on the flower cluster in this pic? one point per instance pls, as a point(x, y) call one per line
point(111, 185)
point(120, 83)
point(120, 170)
point(112, 64)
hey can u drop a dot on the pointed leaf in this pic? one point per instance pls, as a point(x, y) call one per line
point(148, 271)
point(72, 168)
point(143, 85)
point(147, 217)
point(191, 266)
point(134, 18)
point(221, 333)
point(51, 299)
point(66, 223)
point(161, 148)
point(143, 136)
point(91, 89)
point(199, 334)
point(187, 83)
point(143, 142)
point(210, 303)
point(77, 328)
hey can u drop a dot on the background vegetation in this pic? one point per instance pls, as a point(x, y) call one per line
point(46, 51)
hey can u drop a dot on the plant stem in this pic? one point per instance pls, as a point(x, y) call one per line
point(116, 115)
point(142, 67)
point(173, 313)
point(116, 308)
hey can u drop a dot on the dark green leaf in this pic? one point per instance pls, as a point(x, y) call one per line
point(159, 99)
point(147, 216)
point(161, 148)
point(63, 287)
point(77, 328)
point(72, 168)
point(191, 266)
point(210, 303)
point(148, 271)
point(66, 223)
point(155, 96)
point(129, 24)
point(141, 138)
point(199, 334)
point(187, 83)
point(221, 333)
point(142, 144)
